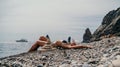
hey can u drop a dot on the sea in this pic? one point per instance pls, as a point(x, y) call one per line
point(9, 46)
point(13, 48)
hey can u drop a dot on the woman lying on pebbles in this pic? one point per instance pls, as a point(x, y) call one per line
point(45, 40)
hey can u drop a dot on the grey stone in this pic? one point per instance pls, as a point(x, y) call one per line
point(65, 65)
point(16, 65)
point(40, 65)
point(85, 65)
point(116, 63)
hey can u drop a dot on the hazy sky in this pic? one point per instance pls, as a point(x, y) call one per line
point(28, 16)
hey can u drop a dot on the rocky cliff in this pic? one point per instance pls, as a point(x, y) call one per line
point(110, 26)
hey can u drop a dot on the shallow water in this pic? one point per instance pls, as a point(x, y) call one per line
point(12, 48)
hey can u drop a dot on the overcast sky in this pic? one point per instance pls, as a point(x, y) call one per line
point(35, 15)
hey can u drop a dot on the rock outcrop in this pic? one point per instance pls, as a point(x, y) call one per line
point(87, 36)
point(110, 26)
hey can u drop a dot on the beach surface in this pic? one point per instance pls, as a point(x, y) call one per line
point(105, 52)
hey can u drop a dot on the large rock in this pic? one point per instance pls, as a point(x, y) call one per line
point(110, 25)
point(87, 36)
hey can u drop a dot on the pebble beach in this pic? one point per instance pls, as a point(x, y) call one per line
point(105, 53)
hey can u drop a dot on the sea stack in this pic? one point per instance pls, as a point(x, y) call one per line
point(87, 36)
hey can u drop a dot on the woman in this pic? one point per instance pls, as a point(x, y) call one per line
point(41, 42)
point(45, 40)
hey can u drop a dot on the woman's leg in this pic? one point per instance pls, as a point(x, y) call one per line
point(80, 46)
point(68, 46)
point(36, 45)
point(60, 44)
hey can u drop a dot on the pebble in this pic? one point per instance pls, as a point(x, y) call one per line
point(116, 63)
point(100, 66)
point(16, 65)
point(85, 65)
point(118, 57)
point(40, 65)
point(65, 65)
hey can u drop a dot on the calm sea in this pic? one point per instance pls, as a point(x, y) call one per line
point(12, 48)
point(8, 46)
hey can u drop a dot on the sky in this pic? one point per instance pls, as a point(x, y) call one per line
point(35, 17)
